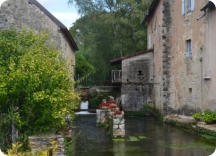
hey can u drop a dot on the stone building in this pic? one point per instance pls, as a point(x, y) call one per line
point(31, 15)
point(182, 34)
point(136, 80)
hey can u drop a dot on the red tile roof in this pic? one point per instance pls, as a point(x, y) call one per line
point(119, 60)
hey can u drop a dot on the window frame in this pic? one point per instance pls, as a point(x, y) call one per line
point(189, 6)
point(189, 48)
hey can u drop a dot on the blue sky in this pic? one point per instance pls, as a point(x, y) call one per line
point(67, 14)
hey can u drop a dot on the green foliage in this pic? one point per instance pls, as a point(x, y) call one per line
point(118, 139)
point(109, 29)
point(133, 138)
point(209, 137)
point(209, 117)
point(69, 145)
point(142, 137)
point(15, 150)
point(83, 67)
point(198, 144)
point(197, 116)
point(95, 101)
point(36, 89)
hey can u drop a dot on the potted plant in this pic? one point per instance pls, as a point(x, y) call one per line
point(209, 117)
point(197, 116)
point(113, 106)
point(117, 112)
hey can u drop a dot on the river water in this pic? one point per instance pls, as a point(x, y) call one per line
point(144, 137)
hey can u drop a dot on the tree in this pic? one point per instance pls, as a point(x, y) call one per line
point(36, 89)
point(83, 68)
point(109, 29)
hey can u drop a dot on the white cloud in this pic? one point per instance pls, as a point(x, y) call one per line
point(1, 1)
point(44, 1)
point(66, 18)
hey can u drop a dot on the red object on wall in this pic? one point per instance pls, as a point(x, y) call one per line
point(103, 105)
point(112, 106)
point(109, 102)
point(117, 112)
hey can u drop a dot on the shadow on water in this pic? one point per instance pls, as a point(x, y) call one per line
point(144, 137)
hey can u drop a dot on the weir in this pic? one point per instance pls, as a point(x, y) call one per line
point(84, 109)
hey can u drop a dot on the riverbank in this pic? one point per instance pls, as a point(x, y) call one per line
point(187, 123)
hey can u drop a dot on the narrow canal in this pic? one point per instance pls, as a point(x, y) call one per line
point(144, 137)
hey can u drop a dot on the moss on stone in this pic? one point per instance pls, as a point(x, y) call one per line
point(118, 139)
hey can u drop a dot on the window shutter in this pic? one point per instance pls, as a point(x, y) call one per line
point(192, 5)
point(183, 7)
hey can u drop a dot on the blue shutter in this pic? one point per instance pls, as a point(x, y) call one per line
point(192, 5)
point(183, 7)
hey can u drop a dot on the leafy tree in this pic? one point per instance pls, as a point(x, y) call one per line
point(109, 29)
point(83, 67)
point(36, 89)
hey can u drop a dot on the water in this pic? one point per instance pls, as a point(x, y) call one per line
point(144, 137)
point(84, 105)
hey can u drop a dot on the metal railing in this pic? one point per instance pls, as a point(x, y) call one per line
point(116, 76)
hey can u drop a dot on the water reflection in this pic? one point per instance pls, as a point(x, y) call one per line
point(144, 137)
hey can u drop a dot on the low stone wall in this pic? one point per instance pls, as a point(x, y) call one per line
point(190, 124)
point(113, 119)
point(46, 142)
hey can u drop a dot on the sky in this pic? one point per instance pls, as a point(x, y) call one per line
point(67, 14)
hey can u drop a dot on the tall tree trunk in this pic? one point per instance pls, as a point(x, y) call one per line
point(14, 133)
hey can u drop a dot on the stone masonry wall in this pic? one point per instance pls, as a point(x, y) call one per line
point(167, 20)
point(155, 32)
point(21, 14)
point(182, 84)
point(113, 119)
point(137, 75)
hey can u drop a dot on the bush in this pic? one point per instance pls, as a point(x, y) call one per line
point(95, 101)
point(198, 116)
point(209, 117)
point(15, 151)
point(36, 89)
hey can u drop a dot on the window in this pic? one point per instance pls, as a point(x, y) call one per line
point(188, 6)
point(189, 9)
point(189, 48)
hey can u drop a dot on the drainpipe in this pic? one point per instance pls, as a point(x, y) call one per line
point(201, 75)
point(210, 5)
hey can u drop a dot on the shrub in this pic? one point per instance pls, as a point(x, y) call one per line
point(15, 151)
point(96, 100)
point(198, 116)
point(36, 89)
point(209, 117)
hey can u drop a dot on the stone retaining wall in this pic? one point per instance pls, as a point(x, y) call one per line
point(115, 122)
point(46, 142)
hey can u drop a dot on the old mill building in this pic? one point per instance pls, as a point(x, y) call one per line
point(31, 15)
point(179, 68)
